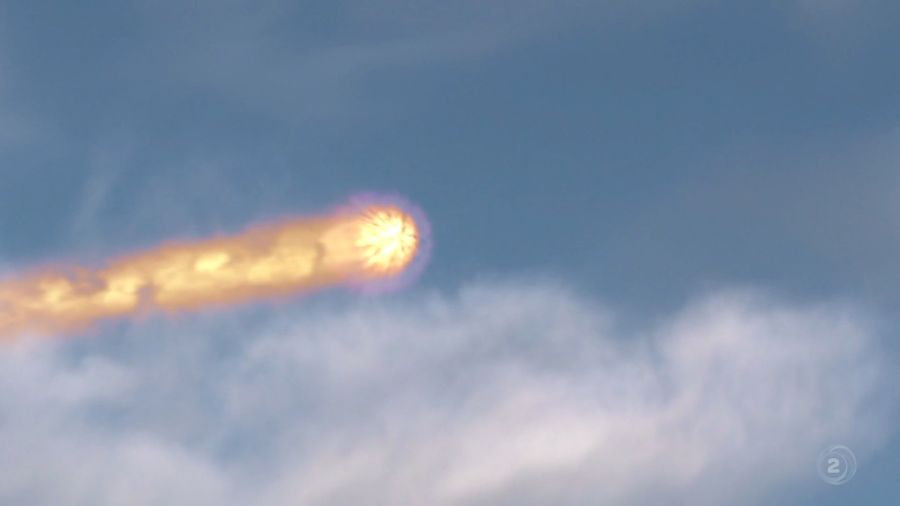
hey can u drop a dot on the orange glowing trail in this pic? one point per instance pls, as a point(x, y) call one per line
point(360, 244)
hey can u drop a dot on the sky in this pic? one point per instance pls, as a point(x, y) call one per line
point(664, 263)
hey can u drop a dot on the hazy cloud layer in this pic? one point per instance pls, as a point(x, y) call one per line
point(520, 393)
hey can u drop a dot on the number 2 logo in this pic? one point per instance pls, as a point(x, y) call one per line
point(834, 466)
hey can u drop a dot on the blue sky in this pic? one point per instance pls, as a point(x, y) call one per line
point(690, 171)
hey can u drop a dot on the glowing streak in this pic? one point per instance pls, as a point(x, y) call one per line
point(364, 243)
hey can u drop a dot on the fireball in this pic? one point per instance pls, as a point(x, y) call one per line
point(388, 238)
point(366, 245)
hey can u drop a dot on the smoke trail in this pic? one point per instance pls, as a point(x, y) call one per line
point(367, 242)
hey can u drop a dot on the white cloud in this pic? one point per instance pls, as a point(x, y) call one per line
point(503, 394)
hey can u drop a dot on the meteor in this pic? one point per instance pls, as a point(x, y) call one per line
point(368, 243)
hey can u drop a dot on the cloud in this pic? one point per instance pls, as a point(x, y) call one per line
point(324, 63)
point(515, 393)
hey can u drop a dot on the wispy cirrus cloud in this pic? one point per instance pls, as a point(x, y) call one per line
point(321, 62)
